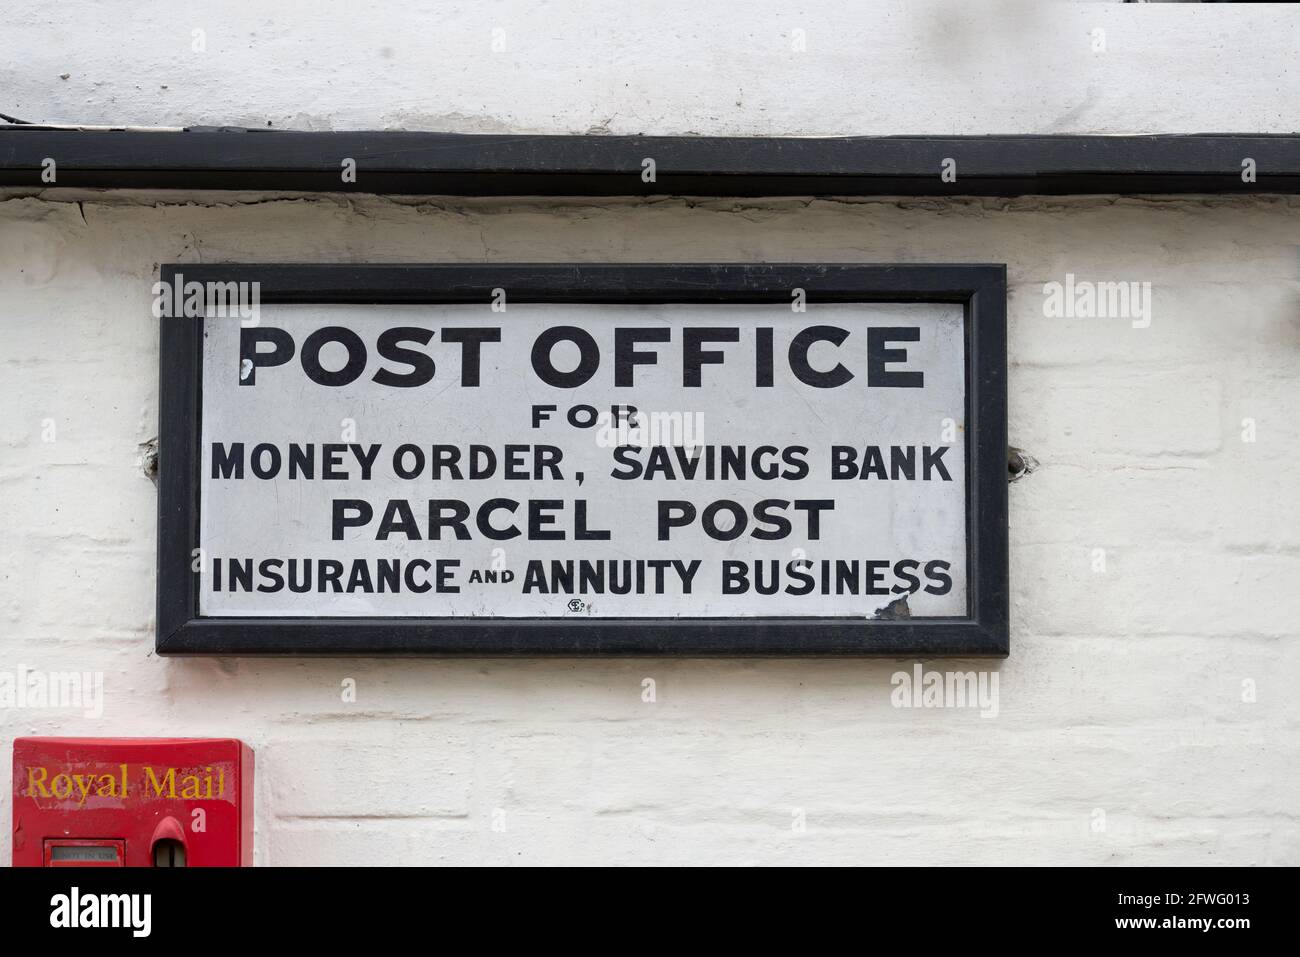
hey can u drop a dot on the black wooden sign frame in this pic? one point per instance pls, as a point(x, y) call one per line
point(981, 288)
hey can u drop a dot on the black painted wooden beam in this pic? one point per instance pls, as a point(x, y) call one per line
point(528, 165)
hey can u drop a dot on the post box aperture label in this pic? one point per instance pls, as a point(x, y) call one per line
point(585, 460)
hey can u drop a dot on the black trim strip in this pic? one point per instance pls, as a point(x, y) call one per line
point(507, 165)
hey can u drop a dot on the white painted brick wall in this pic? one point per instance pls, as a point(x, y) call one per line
point(1124, 690)
point(671, 66)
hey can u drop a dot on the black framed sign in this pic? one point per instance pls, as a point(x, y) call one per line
point(667, 459)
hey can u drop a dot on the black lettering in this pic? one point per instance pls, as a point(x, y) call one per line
point(455, 521)
point(351, 370)
point(250, 357)
point(932, 461)
point(674, 514)
point(626, 356)
point(485, 526)
point(228, 463)
point(878, 356)
point(694, 357)
point(390, 347)
point(588, 361)
point(763, 362)
point(361, 514)
point(936, 571)
point(471, 354)
point(804, 371)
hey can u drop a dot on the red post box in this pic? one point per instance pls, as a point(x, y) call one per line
point(132, 802)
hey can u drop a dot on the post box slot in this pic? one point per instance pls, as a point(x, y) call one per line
point(168, 853)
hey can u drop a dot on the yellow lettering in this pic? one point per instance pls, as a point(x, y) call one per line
point(38, 783)
point(106, 781)
point(190, 787)
point(67, 786)
point(169, 779)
